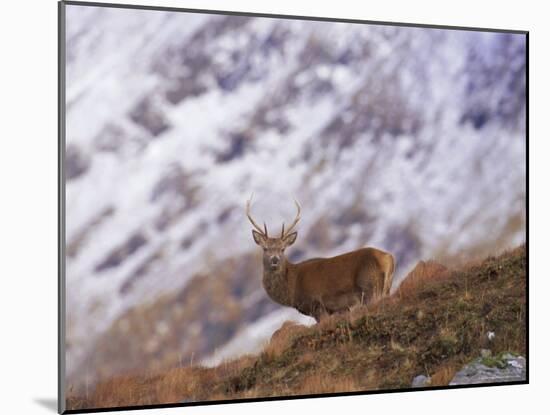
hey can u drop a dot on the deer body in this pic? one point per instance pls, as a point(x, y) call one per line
point(322, 285)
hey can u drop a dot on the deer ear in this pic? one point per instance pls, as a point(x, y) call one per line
point(258, 237)
point(290, 238)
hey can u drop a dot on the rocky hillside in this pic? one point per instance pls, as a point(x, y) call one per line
point(411, 140)
point(442, 326)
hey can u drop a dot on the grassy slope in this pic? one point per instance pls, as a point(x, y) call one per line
point(435, 323)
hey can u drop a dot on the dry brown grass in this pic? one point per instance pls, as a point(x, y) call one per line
point(435, 323)
point(281, 338)
point(168, 387)
point(317, 383)
point(444, 374)
point(423, 273)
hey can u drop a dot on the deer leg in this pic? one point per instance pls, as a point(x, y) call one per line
point(388, 274)
point(370, 284)
point(318, 310)
point(316, 314)
point(365, 285)
point(342, 302)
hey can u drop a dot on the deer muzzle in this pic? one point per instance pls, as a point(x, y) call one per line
point(274, 261)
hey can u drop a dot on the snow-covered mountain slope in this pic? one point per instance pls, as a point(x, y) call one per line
point(408, 139)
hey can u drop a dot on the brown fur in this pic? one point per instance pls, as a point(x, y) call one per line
point(326, 285)
point(321, 285)
point(329, 285)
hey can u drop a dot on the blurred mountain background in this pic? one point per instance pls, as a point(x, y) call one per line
point(408, 139)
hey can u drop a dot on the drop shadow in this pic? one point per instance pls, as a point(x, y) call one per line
point(48, 403)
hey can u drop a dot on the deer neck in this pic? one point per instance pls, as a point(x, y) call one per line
point(277, 283)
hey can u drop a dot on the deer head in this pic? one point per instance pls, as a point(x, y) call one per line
point(321, 285)
point(273, 247)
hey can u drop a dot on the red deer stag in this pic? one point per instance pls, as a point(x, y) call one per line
point(321, 285)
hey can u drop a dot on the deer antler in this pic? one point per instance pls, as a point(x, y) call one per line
point(263, 232)
point(296, 220)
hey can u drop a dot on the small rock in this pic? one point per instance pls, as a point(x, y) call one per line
point(515, 364)
point(420, 381)
point(511, 370)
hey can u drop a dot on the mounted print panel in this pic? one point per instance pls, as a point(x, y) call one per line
point(276, 207)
